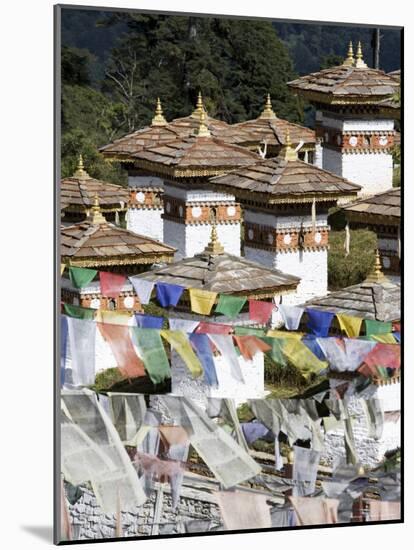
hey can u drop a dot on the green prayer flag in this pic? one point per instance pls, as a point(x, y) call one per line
point(247, 331)
point(152, 352)
point(80, 276)
point(79, 312)
point(377, 327)
point(230, 305)
point(276, 352)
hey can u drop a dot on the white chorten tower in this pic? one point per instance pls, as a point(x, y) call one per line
point(356, 133)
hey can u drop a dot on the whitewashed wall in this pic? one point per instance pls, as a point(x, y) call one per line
point(146, 222)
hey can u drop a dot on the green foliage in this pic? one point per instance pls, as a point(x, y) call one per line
point(349, 270)
point(331, 60)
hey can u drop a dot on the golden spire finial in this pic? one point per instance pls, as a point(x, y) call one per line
point(214, 247)
point(359, 62)
point(376, 275)
point(199, 107)
point(203, 130)
point(288, 152)
point(80, 172)
point(349, 61)
point(158, 119)
point(95, 215)
point(268, 111)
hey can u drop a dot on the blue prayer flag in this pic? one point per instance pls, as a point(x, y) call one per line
point(319, 322)
point(201, 345)
point(63, 346)
point(168, 295)
point(148, 321)
point(311, 342)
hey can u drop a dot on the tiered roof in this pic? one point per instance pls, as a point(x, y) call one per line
point(286, 179)
point(384, 208)
point(78, 192)
point(97, 243)
point(216, 271)
point(272, 130)
point(352, 82)
point(195, 156)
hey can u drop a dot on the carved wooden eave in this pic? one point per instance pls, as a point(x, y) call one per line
point(117, 260)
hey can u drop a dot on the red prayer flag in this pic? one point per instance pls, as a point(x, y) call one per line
point(260, 311)
point(250, 345)
point(118, 337)
point(111, 284)
point(384, 355)
point(213, 328)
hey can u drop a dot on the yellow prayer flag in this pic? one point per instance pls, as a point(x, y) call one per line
point(179, 341)
point(281, 334)
point(62, 268)
point(202, 300)
point(384, 338)
point(301, 357)
point(113, 317)
point(350, 325)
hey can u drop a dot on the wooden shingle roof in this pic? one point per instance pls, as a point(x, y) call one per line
point(95, 242)
point(79, 191)
point(383, 206)
point(286, 180)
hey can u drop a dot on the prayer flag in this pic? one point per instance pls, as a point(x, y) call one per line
point(284, 335)
point(230, 305)
point(260, 312)
point(384, 338)
point(143, 288)
point(80, 276)
point(111, 284)
point(275, 353)
point(248, 331)
point(152, 352)
point(118, 337)
point(311, 342)
point(179, 342)
point(243, 510)
point(315, 510)
point(377, 327)
point(62, 268)
point(79, 312)
point(168, 295)
point(202, 300)
point(301, 357)
point(224, 343)
point(111, 317)
point(291, 316)
point(350, 325)
point(63, 346)
point(213, 328)
point(345, 355)
point(319, 321)
point(185, 325)
point(202, 347)
point(250, 345)
point(384, 355)
point(82, 335)
point(149, 321)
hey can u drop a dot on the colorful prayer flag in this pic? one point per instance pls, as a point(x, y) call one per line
point(62, 268)
point(152, 352)
point(202, 347)
point(249, 331)
point(250, 345)
point(291, 316)
point(185, 325)
point(118, 337)
point(149, 321)
point(168, 295)
point(259, 311)
point(202, 300)
point(377, 327)
point(179, 342)
point(80, 276)
point(319, 322)
point(349, 324)
point(82, 334)
point(224, 344)
point(111, 284)
point(113, 317)
point(79, 312)
point(301, 357)
point(230, 305)
point(213, 328)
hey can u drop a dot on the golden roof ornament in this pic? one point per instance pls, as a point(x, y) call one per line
point(268, 112)
point(288, 152)
point(199, 107)
point(158, 119)
point(376, 275)
point(95, 215)
point(80, 172)
point(203, 130)
point(214, 247)
point(359, 62)
point(349, 61)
